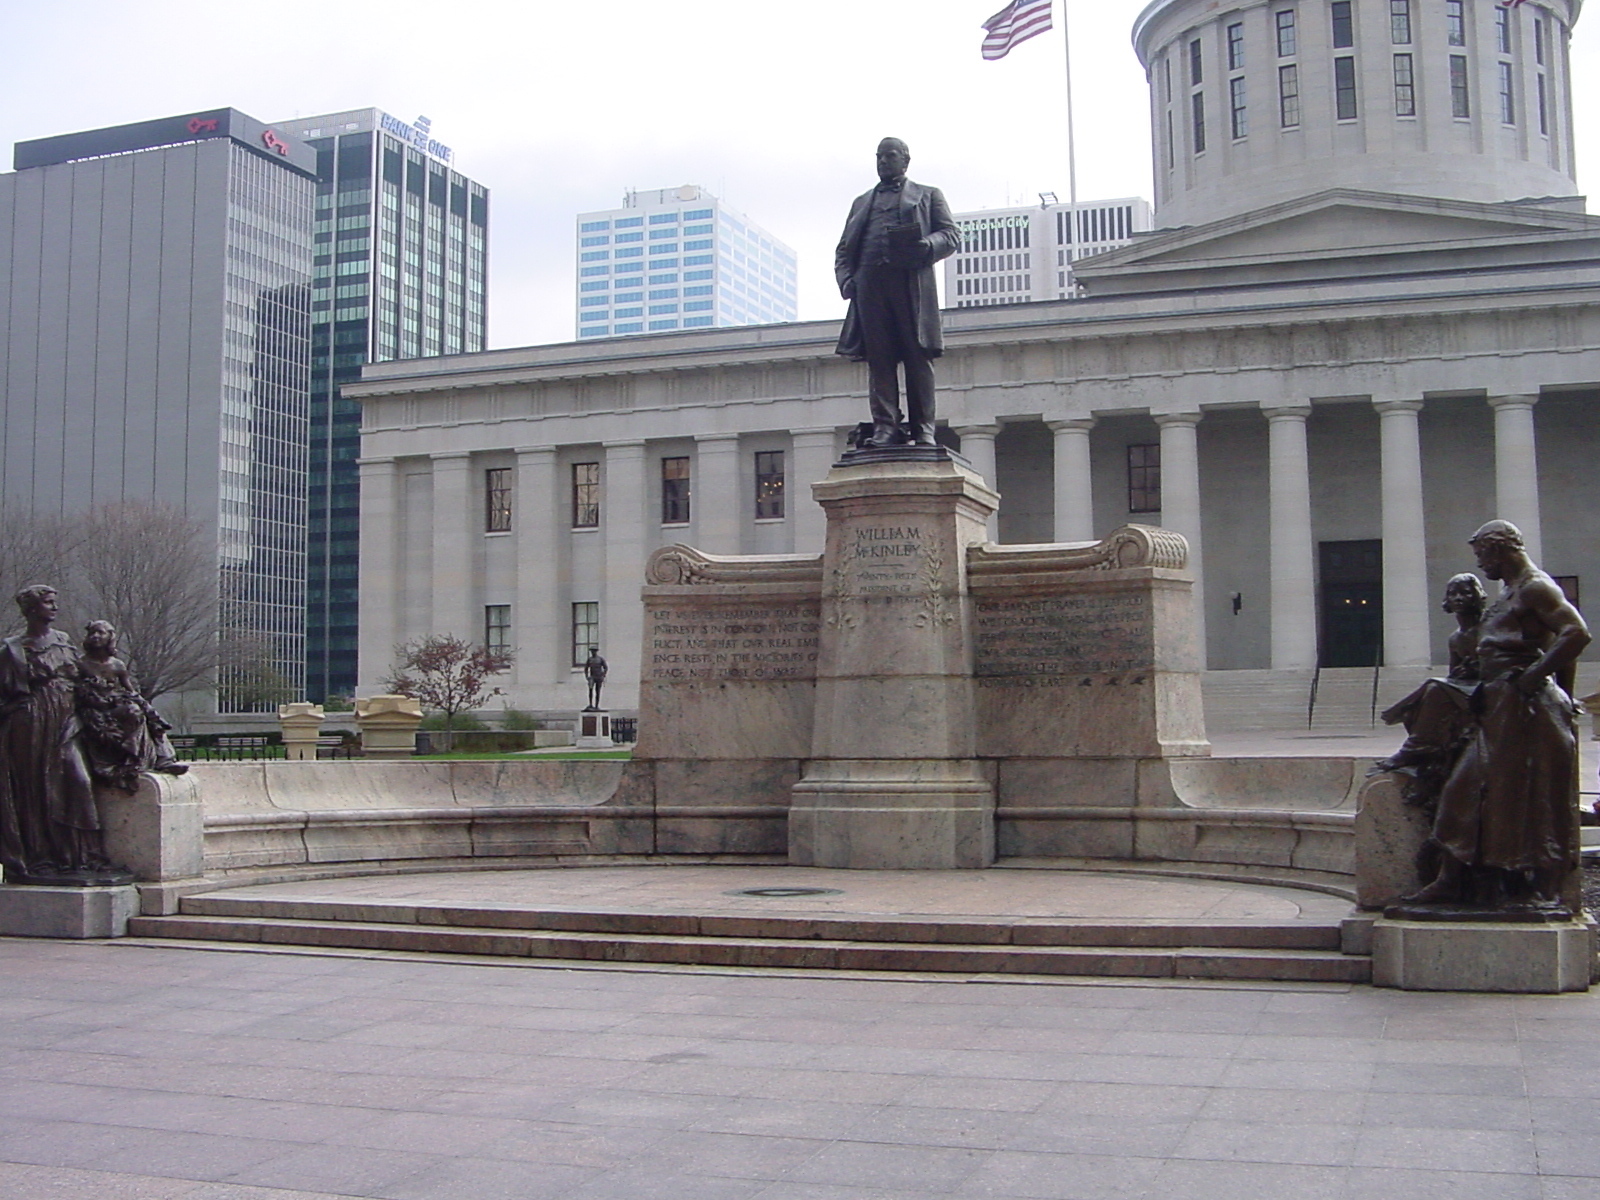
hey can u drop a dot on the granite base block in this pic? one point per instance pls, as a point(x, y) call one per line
point(158, 832)
point(1481, 956)
point(893, 815)
point(66, 912)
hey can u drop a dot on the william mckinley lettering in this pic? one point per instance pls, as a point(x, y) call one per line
point(884, 265)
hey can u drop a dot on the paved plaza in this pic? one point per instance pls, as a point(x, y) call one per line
point(137, 1071)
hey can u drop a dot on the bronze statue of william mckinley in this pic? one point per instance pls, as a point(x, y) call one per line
point(884, 264)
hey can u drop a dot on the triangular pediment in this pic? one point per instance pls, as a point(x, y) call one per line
point(1335, 226)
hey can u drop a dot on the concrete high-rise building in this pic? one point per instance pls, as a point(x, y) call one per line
point(155, 344)
point(400, 249)
point(678, 258)
point(1012, 255)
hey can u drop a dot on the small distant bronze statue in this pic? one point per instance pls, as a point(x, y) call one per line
point(594, 670)
point(49, 829)
point(1505, 826)
point(122, 732)
point(884, 265)
point(1438, 716)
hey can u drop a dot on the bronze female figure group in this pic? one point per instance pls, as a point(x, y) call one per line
point(69, 720)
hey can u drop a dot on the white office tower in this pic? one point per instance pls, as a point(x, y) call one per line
point(1259, 104)
point(678, 258)
point(1013, 255)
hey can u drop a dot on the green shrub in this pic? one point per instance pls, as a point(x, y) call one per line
point(461, 722)
point(516, 718)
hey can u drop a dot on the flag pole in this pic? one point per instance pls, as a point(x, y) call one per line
point(1072, 148)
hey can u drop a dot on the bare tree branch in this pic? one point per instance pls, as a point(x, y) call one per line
point(447, 673)
point(33, 549)
point(151, 570)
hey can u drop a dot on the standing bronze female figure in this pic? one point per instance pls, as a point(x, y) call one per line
point(49, 830)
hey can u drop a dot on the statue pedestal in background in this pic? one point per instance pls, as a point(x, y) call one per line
point(388, 726)
point(301, 723)
point(893, 779)
point(594, 730)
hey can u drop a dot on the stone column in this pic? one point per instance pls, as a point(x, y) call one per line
point(814, 452)
point(717, 504)
point(538, 515)
point(1405, 560)
point(382, 593)
point(1294, 608)
point(977, 445)
point(1074, 482)
point(622, 517)
point(455, 534)
point(1180, 500)
point(1516, 467)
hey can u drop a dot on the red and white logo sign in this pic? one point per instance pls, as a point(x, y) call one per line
point(202, 124)
point(273, 142)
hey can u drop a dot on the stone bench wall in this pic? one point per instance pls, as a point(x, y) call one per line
point(1273, 818)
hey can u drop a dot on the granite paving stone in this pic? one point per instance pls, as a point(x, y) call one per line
point(1061, 1177)
point(1563, 1187)
point(151, 1071)
point(1378, 1183)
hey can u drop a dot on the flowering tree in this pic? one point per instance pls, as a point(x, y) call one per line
point(447, 674)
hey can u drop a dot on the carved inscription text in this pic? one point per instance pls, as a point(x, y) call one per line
point(743, 643)
point(1057, 641)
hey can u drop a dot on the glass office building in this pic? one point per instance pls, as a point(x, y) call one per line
point(678, 258)
point(400, 254)
point(155, 346)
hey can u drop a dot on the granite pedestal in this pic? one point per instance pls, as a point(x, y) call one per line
point(893, 778)
point(594, 730)
point(1483, 956)
point(66, 912)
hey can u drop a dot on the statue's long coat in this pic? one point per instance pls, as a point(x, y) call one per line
point(927, 208)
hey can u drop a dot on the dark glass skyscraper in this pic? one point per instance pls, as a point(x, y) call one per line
point(400, 245)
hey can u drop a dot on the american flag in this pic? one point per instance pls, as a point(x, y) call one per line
point(1016, 22)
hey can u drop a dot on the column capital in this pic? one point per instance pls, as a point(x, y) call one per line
point(452, 458)
point(1191, 419)
point(628, 445)
point(1071, 425)
point(705, 439)
point(977, 431)
point(535, 452)
point(1516, 400)
point(1385, 407)
point(1286, 412)
point(376, 460)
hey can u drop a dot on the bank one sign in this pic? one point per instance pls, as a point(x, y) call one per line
point(418, 133)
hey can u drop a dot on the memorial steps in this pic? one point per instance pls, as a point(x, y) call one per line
point(1263, 950)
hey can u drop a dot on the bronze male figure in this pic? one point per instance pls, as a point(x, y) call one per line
point(884, 265)
point(594, 673)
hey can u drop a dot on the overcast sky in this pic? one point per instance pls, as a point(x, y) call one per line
point(558, 107)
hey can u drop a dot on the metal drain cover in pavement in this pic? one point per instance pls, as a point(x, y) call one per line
point(785, 893)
